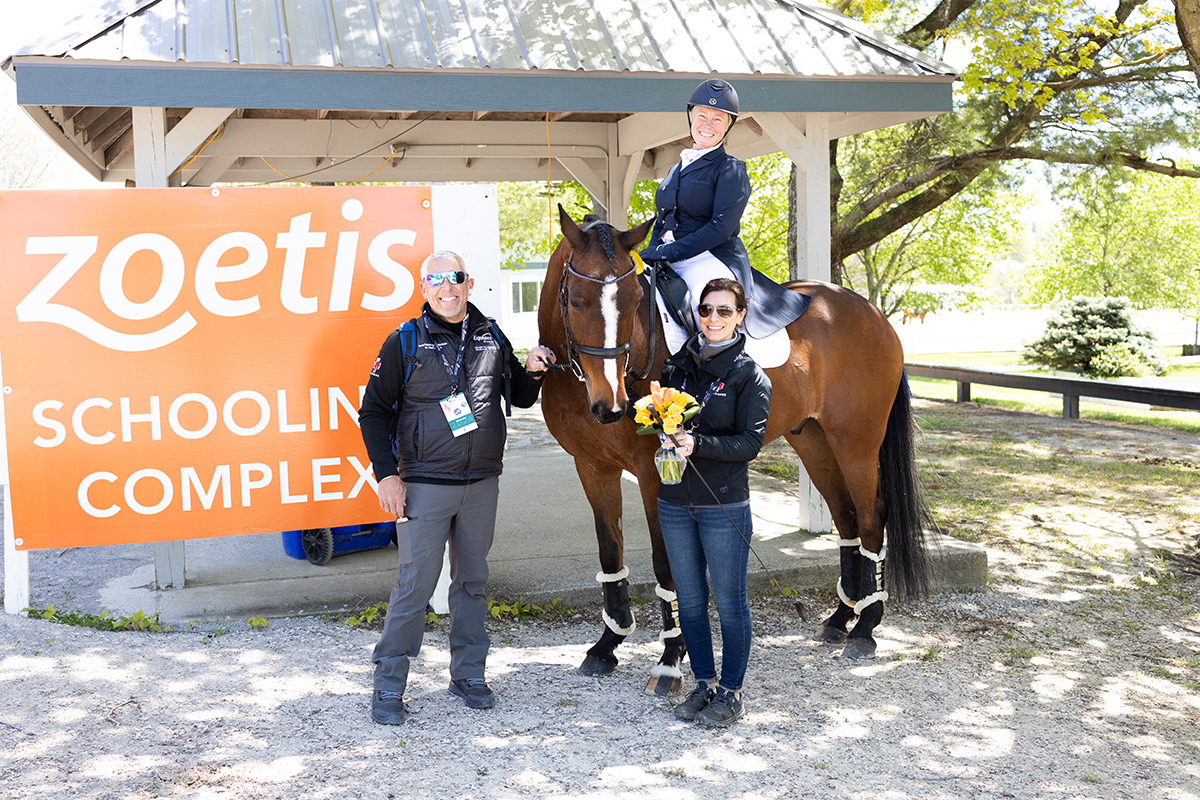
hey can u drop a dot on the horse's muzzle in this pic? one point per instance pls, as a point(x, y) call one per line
point(605, 415)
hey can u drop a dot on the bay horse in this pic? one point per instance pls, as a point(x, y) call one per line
point(840, 400)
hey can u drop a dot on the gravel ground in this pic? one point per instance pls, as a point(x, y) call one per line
point(1064, 679)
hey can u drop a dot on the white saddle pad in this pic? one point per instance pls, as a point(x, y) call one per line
point(769, 352)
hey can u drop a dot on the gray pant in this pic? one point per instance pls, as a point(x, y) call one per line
point(465, 517)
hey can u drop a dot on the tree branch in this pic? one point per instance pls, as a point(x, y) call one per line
point(950, 175)
point(926, 31)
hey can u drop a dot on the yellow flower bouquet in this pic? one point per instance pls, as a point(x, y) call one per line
point(663, 412)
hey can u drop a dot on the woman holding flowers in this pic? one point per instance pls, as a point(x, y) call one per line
point(705, 518)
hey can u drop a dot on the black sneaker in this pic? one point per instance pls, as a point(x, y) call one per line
point(387, 708)
point(700, 697)
point(723, 710)
point(474, 691)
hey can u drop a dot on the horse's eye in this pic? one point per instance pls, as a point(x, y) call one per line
point(575, 304)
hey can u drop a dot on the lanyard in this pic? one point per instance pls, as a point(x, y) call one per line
point(454, 371)
point(714, 387)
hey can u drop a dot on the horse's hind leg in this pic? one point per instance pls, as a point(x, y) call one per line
point(602, 485)
point(666, 677)
point(861, 588)
point(823, 469)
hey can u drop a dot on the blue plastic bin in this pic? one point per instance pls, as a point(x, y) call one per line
point(318, 545)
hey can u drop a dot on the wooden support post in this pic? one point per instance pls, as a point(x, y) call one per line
point(1070, 406)
point(964, 391)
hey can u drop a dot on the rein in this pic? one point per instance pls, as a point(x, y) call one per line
point(574, 349)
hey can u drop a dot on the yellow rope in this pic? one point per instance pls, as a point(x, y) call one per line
point(306, 183)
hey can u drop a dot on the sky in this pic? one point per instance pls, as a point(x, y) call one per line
point(22, 22)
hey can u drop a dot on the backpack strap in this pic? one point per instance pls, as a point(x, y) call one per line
point(408, 348)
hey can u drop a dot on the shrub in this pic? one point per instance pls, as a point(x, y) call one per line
point(1084, 328)
point(1117, 361)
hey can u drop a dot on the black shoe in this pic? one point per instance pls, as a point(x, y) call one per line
point(700, 697)
point(723, 710)
point(387, 708)
point(474, 691)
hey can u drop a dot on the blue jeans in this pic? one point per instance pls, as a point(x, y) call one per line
point(703, 546)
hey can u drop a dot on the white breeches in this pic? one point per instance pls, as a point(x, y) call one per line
point(696, 272)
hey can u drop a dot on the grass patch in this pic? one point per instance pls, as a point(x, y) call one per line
point(980, 470)
point(1032, 402)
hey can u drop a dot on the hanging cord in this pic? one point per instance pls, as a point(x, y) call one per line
point(770, 574)
point(296, 178)
point(549, 200)
point(217, 134)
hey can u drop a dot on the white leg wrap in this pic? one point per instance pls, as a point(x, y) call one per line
point(849, 542)
point(665, 594)
point(612, 577)
point(871, 556)
point(663, 670)
point(617, 629)
point(861, 604)
point(670, 633)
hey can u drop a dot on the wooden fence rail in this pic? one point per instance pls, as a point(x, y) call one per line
point(1071, 389)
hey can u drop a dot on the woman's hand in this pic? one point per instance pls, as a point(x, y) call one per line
point(654, 253)
point(685, 445)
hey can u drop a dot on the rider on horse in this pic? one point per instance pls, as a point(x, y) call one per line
point(699, 211)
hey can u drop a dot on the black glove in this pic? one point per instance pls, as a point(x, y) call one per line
point(656, 253)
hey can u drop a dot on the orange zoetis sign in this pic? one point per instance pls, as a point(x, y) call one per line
point(183, 363)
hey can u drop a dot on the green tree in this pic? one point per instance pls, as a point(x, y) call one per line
point(955, 243)
point(1123, 234)
point(529, 220)
point(1090, 82)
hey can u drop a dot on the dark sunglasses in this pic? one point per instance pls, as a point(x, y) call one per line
point(436, 278)
point(705, 311)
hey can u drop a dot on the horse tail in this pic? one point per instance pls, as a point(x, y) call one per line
point(908, 516)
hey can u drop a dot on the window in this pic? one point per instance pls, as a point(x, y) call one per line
point(525, 296)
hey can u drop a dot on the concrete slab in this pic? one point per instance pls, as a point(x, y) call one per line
point(545, 548)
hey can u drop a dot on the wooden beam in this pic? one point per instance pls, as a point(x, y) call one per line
point(191, 132)
point(119, 148)
point(101, 139)
point(150, 147)
point(96, 128)
point(211, 171)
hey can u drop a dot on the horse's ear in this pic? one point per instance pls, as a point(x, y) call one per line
point(630, 239)
point(570, 229)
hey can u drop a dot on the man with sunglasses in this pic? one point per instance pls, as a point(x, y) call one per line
point(434, 430)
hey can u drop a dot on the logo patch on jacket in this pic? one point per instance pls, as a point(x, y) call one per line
point(375, 367)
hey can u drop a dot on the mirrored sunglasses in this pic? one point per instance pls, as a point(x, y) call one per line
point(436, 278)
point(705, 311)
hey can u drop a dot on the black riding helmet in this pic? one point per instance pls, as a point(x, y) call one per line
point(715, 93)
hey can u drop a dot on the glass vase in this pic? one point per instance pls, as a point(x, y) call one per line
point(670, 465)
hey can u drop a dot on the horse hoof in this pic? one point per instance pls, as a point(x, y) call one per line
point(859, 648)
point(829, 635)
point(664, 685)
point(595, 667)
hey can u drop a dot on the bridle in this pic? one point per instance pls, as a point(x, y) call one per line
point(574, 349)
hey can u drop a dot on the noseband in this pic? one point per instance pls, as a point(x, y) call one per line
point(574, 349)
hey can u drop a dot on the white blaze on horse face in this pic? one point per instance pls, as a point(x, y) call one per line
point(608, 310)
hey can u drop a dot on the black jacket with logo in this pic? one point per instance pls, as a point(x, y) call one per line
point(728, 432)
point(426, 450)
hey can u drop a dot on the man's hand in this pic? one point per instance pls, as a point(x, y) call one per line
point(392, 493)
point(539, 359)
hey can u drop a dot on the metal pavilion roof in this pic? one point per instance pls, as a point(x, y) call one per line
point(733, 37)
point(453, 89)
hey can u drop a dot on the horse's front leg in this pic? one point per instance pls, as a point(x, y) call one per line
point(602, 485)
point(666, 677)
